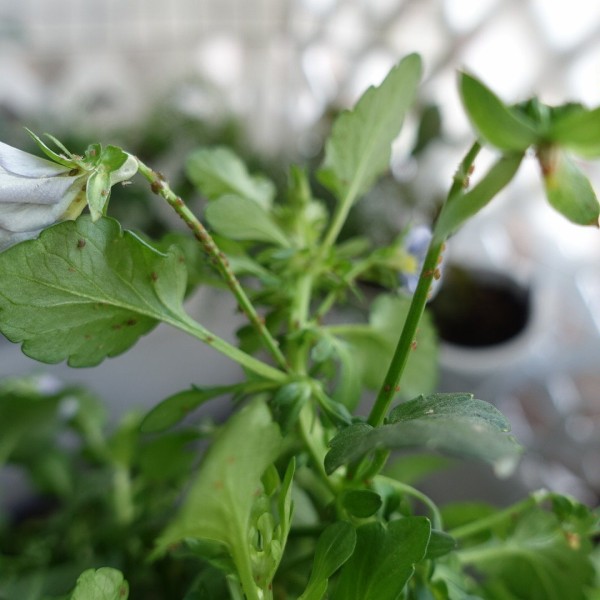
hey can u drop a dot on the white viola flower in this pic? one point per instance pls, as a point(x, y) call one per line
point(35, 192)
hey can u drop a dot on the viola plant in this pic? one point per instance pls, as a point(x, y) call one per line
point(304, 491)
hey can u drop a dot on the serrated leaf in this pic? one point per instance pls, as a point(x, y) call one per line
point(334, 547)
point(359, 148)
point(219, 172)
point(455, 424)
point(467, 203)
point(578, 130)
point(568, 190)
point(237, 218)
point(85, 291)
point(219, 503)
point(101, 584)
point(384, 559)
point(175, 408)
point(458, 405)
point(495, 122)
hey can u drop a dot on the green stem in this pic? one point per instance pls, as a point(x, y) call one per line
point(500, 517)
point(124, 509)
point(436, 517)
point(483, 554)
point(161, 187)
point(391, 383)
point(220, 345)
point(337, 222)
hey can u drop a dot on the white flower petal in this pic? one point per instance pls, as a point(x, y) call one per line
point(41, 190)
point(19, 217)
point(13, 160)
point(9, 238)
point(126, 171)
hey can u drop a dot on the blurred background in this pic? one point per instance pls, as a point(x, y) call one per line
point(266, 76)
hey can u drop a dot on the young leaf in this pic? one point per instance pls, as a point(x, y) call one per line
point(175, 408)
point(84, 291)
point(97, 192)
point(113, 158)
point(453, 423)
point(568, 189)
point(464, 205)
point(335, 546)
point(219, 172)
point(579, 131)
point(65, 161)
point(358, 151)
point(219, 504)
point(101, 584)
point(495, 122)
point(240, 219)
point(383, 560)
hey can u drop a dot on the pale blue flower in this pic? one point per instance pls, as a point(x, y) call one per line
point(35, 192)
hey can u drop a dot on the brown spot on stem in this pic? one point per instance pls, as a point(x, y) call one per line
point(154, 276)
point(156, 187)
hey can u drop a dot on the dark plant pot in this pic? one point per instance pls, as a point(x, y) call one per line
point(478, 308)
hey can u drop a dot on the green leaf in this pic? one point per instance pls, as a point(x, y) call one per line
point(415, 467)
point(334, 547)
point(65, 161)
point(440, 544)
point(285, 505)
point(101, 584)
point(372, 346)
point(113, 158)
point(383, 560)
point(219, 172)
point(219, 504)
point(175, 408)
point(288, 402)
point(84, 291)
point(361, 503)
point(359, 148)
point(464, 205)
point(568, 190)
point(495, 122)
point(535, 562)
point(240, 219)
point(579, 131)
point(97, 192)
point(348, 388)
point(21, 415)
point(452, 423)
point(457, 405)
